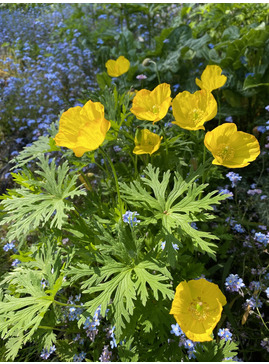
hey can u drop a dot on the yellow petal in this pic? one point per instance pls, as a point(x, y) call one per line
point(69, 125)
point(118, 67)
point(191, 111)
point(197, 308)
point(82, 129)
point(231, 148)
point(146, 142)
point(152, 105)
point(211, 78)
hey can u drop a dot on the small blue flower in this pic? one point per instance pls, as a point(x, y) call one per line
point(255, 285)
point(229, 119)
point(15, 262)
point(234, 178)
point(233, 283)
point(226, 192)
point(261, 238)
point(117, 148)
point(189, 344)
point(238, 228)
point(261, 128)
point(194, 226)
point(130, 218)
point(45, 354)
point(253, 302)
point(210, 45)
point(176, 330)
point(8, 246)
point(225, 334)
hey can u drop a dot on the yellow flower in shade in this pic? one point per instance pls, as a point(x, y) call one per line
point(231, 148)
point(191, 111)
point(82, 129)
point(211, 78)
point(152, 105)
point(146, 142)
point(118, 67)
point(197, 308)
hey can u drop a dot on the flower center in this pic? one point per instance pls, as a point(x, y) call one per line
point(155, 109)
point(196, 115)
point(199, 309)
point(225, 152)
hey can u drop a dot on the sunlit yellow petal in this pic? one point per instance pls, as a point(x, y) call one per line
point(82, 129)
point(197, 308)
point(118, 67)
point(211, 78)
point(152, 105)
point(231, 148)
point(191, 111)
point(146, 142)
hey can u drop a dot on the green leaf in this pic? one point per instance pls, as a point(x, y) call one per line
point(21, 316)
point(43, 145)
point(175, 209)
point(27, 209)
point(103, 80)
point(254, 81)
point(215, 352)
point(122, 284)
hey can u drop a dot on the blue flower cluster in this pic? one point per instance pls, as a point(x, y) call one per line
point(48, 71)
point(225, 334)
point(234, 178)
point(233, 283)
point(253, 302)
point(45, 353)
point(130, 218)
point(113, 343)
point(91, 324)
point(73, 313)
point(79, 357)
point(262, 238)
point(225, 191)
point(106, 355)
point(186, 343)
point(8, 246)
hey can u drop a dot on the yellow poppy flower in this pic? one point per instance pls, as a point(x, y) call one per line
point(146, 142)
point(118, 67)
point(197, 308)
point(152, 105)
point(231, 148)
point(82, 129)
point(211, 78)
point(191, 111)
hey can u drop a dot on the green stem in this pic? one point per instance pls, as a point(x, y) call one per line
point(262, 319)
point(165, 140)
point(218, 107)
point(50, 328)
point(157, 72)
point(135, 165)
point(115, 178)
point(204, 157)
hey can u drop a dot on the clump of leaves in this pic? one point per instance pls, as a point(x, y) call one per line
point(40, 200)
point(175, 209)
